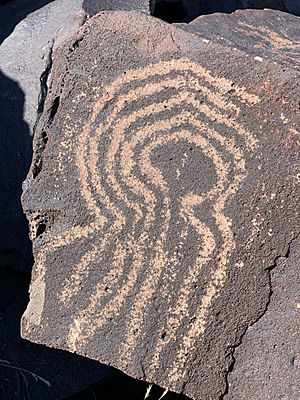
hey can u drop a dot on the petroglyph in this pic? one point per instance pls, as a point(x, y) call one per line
point(125, 143)
point(167, 189)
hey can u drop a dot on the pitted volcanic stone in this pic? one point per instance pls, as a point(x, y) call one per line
point(267, 362)
point(93, 7)
point(168, 186)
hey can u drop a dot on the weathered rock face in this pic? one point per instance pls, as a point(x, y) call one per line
point(164, 187)
point(243, 31)
point(93, 7)
point(26, 53)
point(267, 362)
point(14, 11)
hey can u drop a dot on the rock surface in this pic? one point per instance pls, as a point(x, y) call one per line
point(93, 7)
point(268, 360)
point(163, 189)
point(14, 11)
point(276, 38)
point(26, 53)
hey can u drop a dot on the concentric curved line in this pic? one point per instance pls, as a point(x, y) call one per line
point(217, 282)
point(88, 328)
point(34, 311)
point(149, 285)
point(93, 191)
point(82, 267)
point(174, 322)
point(238, 158)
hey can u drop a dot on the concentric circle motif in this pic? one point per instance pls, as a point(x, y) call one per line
point(142, 218)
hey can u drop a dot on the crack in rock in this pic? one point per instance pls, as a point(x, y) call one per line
point(234, 347)
point(44, 79)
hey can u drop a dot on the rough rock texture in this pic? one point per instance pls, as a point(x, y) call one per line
point(277, 38)
point(58, 374)
point(14, 11)
point(164, 188)
point(93, 7)
point(268, 360)
point(25, 62)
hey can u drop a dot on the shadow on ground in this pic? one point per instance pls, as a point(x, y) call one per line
point(119, 386)
point(29, 371)
point(187, 10)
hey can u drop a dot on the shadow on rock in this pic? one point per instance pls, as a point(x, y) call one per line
point(29, 371)
point(15, 159)
point(120, 386)
point(12, 12)
point(188, 10)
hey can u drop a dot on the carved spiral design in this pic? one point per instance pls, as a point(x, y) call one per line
point(128, 190)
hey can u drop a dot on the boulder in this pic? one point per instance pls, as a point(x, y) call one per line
point(14, 11)
point(25, 62)
point(164, 188)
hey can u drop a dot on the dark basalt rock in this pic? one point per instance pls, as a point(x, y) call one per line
point(243, 30)
point(267, 362)
point(164, 186)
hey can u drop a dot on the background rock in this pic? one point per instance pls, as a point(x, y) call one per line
point(25, 62)
point(75, 198)
point(14, 11)
point(93, 7)
point(26, 53)
point(187, 10)
point(276, 37)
